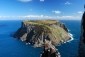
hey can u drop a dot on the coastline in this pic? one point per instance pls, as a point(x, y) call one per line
point(17, 43)
point(71, 35)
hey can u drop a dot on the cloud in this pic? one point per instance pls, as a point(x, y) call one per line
point(67, 3)
point(80, 12)
point(24, 0)
point(56, 11)
point(5, 17)
point(41, 17)
point(51, 17)
point(31, 16)
point(41, 0)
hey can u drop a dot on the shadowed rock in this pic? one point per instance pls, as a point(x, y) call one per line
point(50, 50)
point(82, 37)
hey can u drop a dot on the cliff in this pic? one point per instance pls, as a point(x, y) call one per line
point(36, 32)
point(82, 38)
point(49, 50)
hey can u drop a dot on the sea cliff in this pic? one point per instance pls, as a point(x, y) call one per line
point(82, 38)
point(36, 32)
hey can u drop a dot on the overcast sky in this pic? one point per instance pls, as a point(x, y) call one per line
point(41, 9)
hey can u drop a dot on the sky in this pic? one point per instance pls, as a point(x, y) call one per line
point(41, 9)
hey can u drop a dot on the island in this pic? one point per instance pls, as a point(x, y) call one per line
point(43, 33)
point(38, 31)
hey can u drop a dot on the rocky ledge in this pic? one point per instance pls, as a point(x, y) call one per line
point(49, 50)
point(36, 32)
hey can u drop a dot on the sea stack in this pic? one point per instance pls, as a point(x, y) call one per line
point(82, 37)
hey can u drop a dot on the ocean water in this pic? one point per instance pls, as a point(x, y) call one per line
point(10, 47)
point(70, 49)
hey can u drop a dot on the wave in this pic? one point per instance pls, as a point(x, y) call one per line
point(71, 35)
point(69, 30)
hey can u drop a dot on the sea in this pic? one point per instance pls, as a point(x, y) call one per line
point(10, 47)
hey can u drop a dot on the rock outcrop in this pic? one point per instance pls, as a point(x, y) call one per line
point(35, 32)
point(82, 38)
point(49, 50)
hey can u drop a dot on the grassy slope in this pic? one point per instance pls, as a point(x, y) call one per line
point(46, 26)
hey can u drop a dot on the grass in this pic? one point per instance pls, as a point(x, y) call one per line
point(47, 26)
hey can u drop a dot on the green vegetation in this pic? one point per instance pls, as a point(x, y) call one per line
point(52, 29)
point(47, 27)
point(42, 25)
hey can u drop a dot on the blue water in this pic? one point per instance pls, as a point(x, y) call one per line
point(70, 49)
point(9, 47)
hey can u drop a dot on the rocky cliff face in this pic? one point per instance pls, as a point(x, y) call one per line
point(82, 38)
point(36, 32)
point(50, 50)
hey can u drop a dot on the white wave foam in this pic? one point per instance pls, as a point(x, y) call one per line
point(71, 35)
point(69, 30)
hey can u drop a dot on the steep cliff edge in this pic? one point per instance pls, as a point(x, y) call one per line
point(36, 32)
point(82, 38)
